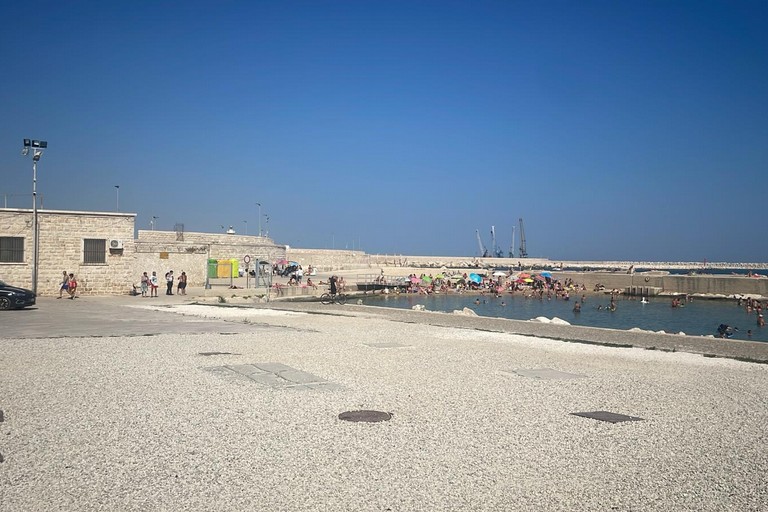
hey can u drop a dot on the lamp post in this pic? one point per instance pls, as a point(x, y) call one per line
point(152, 222)
point(246, 226)
point(37, 147)
point(259, 205)
point(267, 222)
point(117, 204)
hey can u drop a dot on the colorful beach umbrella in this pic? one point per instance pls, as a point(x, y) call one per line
point(475, 278)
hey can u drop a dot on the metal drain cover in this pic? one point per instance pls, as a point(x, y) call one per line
point(610, 417)
point(365, 416)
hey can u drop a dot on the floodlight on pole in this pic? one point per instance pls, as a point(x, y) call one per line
point(259, 205)
point(117, 204)
point(37, 146)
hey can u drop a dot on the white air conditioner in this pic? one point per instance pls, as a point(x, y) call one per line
point(115, 244)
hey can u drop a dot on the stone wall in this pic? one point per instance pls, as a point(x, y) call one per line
point(327, 260)
point(61, 235)
point(162, 251)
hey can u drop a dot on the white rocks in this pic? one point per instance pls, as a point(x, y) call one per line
point(418, 307)
point(555, 320)
point(465, 311)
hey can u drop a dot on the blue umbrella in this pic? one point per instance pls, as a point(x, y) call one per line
point(545, 274)
point(475, 278)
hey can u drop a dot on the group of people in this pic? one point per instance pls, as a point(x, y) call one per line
point(152, 283)
point(68, 285)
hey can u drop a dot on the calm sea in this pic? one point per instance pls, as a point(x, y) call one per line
point(700, 317)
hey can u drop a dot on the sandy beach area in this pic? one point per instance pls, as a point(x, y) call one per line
point(123, 404)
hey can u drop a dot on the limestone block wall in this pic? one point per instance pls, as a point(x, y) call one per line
point(61, 235)
point(162, 251)
point(325, 260)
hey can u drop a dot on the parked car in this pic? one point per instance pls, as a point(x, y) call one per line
point(13, 297)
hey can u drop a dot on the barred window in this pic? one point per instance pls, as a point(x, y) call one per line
point(11, 249)
point(94, 250)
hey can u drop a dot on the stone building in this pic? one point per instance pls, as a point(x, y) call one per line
point(100, 249)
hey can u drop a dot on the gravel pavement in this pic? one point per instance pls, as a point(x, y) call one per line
point(133, 404)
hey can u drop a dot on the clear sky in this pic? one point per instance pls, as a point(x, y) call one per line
point(633, 130)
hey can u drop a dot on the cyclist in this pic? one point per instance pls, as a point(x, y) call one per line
point(332, 282)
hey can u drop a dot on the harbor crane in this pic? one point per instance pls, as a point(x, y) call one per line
point(497, 252)
point(512, 243)
point(483, 250)
point(523, 249)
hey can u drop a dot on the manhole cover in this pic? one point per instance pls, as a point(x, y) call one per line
point(366, 416)
point(610, 417)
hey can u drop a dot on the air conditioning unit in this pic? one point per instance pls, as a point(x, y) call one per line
point(115, 244)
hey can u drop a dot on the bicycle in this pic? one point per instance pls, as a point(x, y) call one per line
point(330, 298)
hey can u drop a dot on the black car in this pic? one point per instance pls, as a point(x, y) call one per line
point(12, 297)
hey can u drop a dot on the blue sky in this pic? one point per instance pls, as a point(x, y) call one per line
point(616, 130)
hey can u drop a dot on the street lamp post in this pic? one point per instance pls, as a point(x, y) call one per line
point(259, 205)
point(152, 222)
point(117, 204)
point(267, 222)
point(37, 147)
point(246, 226)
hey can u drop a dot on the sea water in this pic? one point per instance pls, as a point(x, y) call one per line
point(700, 317)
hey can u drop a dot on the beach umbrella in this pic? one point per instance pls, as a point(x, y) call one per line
point(527, 280)
point(523, 275)
point(281, 261)
point(440, 276)
point(427, 279)
point(457, 277)
point(475, 278)
point(545, 274)
point(415, 279)
point(499, 273)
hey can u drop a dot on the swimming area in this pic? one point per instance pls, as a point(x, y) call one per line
point(700, 317)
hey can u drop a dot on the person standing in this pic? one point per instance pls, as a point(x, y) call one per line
point(72, 286)
point(169, 282)
point(64, 284)
point(153, 284)
point(182, 286)
point(144, 284)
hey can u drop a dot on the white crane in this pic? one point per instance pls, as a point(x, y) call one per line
point(483, 250)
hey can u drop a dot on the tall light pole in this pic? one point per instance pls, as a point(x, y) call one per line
point(267, 217)
point(37, 147)
point(152, 222)
point(246, 226)
point(117, 204)
point(259, 205)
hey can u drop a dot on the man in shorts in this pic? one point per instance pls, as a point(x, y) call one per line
point(64, 284)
